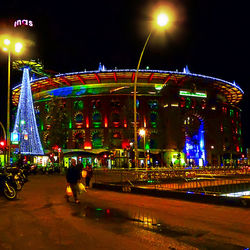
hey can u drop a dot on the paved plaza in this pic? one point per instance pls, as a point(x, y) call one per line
point(41, 218)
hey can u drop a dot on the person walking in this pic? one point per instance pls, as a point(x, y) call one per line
point(79, 165)
point(89, 174)
point(73, 176)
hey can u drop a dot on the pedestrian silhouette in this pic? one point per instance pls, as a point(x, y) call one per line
point(73, 176)
point(89, 174)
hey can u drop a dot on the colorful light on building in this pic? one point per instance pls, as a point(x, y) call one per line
point(87, 122)
point(14, 137)
point(191, 94)
point(23, 22)
point(105, 122)
point(195, 146)
point(125, 144)
point(87, 145)
point(116, 85)
point(125, 124)
point(144, 122)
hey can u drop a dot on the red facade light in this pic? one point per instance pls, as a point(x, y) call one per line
point(87, 145)
point(125, 144)
point(55, 147)
point(2, 144)
point(182, 102)
point(105, 122)
point(87, 122)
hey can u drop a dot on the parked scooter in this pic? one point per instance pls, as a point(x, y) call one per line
point(6, 186)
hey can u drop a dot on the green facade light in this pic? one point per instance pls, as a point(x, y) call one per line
point(97, 124)
point(196, 94)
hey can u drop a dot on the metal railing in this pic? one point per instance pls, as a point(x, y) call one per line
point(213, 181)
point(159, 175)
point(215, 185)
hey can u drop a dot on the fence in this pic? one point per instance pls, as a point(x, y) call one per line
point(215, 181)
point(159, 175)
point(215, 186)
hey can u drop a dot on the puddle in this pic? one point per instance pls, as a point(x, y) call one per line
point(100, 214)
point(138, 219)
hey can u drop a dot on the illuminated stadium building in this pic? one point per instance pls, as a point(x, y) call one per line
point(188, 118)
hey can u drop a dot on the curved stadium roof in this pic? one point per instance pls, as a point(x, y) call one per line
point(149, 82)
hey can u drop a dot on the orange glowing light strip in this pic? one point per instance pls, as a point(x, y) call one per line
point(87, 122)
point(105, 122)
point(145, 122)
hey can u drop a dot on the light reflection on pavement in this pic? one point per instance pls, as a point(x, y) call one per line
point(42, 219)
point(137, 219)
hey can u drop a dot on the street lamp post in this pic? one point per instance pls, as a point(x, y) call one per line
point(162, 20)
point(142, 132)
point(4, 135)
point(8, 112)
point(135, 107)
point(8, 48)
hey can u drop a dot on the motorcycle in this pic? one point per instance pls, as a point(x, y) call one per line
point(6, 187)
point(17, 178)
point(23, 175)
point(16, 181)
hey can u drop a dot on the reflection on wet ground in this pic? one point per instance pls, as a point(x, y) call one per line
point(140, 219)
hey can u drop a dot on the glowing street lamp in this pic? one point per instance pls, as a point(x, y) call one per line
point(142, 132)
point(10, 46)
point(162, 20)
point(6, 42)
point(18, 47)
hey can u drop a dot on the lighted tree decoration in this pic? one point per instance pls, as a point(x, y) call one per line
point(25, 124)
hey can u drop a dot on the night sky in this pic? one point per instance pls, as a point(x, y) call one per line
point(210, 36)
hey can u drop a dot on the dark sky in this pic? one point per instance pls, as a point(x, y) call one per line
point(210, 36)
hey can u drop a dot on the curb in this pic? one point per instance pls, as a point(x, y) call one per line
point(194, 197)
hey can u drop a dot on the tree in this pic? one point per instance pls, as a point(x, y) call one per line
point(58, 132)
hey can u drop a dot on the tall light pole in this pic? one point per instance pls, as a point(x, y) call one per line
point(9, 47)
point(162, 20)
point(142, 132)
point(4, 135)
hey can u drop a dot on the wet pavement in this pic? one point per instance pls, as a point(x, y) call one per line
point(42, 219)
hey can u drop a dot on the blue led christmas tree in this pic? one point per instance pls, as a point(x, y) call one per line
point(25, 124)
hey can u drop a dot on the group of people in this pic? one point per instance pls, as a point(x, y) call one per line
point(74, 176)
